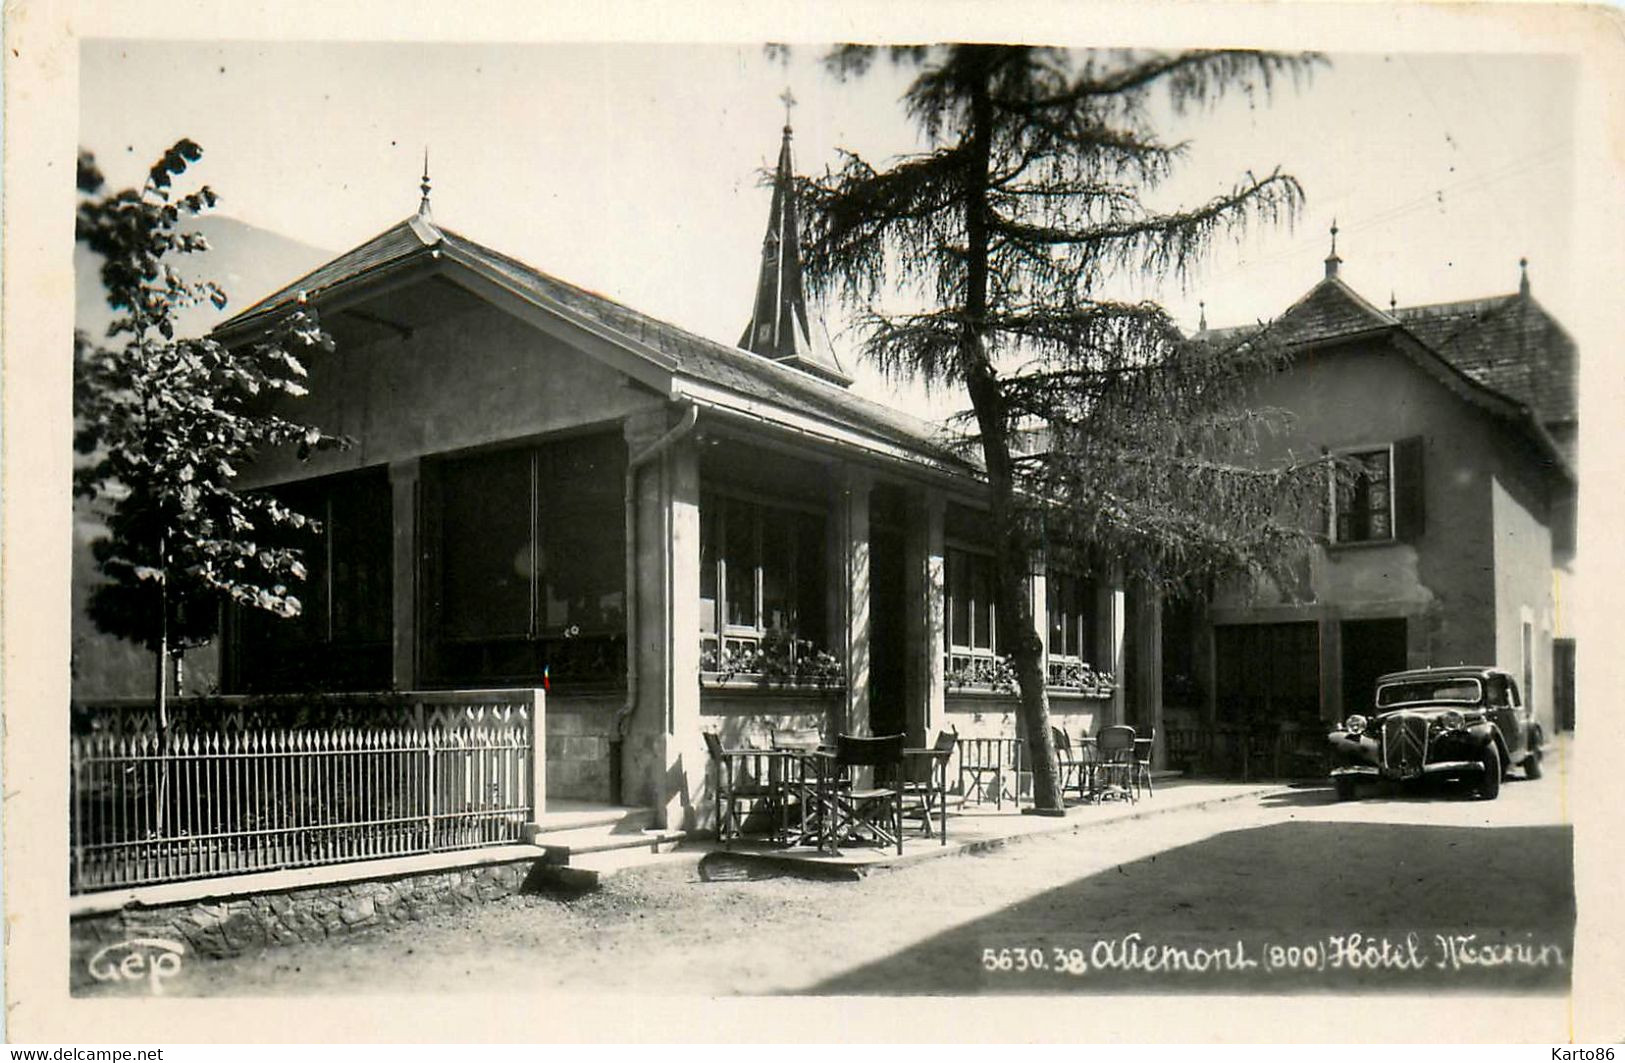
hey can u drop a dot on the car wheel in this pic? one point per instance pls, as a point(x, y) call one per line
point(1531, 764)
point(1490, 788)
point(1344, 785)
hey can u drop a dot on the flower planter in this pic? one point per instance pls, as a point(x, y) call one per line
point(756, 682)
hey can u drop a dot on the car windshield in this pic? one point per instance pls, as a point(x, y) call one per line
point(1465, 691)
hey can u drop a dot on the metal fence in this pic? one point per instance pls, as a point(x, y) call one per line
point(235, 786)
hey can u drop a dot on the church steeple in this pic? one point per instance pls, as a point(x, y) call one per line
point(780, 328)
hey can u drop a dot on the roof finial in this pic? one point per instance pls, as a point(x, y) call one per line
point(1523, 277)
point(789, 101)
point(1393, 301)
point(1201, 326)
point(1332, 260)
point(423, 204)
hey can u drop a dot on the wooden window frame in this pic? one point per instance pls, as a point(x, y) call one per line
point(970, 659)
point(1084, 623)
point(1336, 536)
point(748, 637)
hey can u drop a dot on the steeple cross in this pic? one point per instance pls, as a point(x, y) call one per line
point(789, 101)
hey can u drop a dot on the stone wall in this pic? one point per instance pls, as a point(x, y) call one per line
point(579, 733)
point(230, 926)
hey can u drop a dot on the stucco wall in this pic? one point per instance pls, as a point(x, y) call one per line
point(475, 377)
point(1523, 592)
point(976, 715)
point(1442, 581)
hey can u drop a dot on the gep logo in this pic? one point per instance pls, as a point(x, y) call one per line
point(153, 959)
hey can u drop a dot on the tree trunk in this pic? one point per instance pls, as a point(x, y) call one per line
point(162, 692)
point(1011, 560)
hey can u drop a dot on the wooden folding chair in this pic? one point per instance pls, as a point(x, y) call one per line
point(877, 807)
point(982, 770)
point(925, 786)
point(745, 777)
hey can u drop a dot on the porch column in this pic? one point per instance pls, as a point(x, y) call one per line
point(403, 485)
point(926, 621)
point(664, 763)
point(1038, 587)
point(1111, 605)
point(1148, 666)
point(855, 483)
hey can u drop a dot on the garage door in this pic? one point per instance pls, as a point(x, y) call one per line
point(1267, 672)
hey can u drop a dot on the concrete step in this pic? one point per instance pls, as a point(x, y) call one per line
point(570, 846)
point(589, 871)
point(570, 816)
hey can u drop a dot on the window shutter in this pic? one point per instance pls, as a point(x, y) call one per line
point(1410, 509)
point(1320, 517)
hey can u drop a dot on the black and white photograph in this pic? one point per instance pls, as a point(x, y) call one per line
point(1074, 520)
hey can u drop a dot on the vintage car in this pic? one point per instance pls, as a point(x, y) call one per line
point(1467, 722)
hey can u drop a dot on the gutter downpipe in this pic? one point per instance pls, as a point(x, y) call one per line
point(623, 717)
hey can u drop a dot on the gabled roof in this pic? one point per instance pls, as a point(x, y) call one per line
point(1332, 312)
point(678, 361)
point(1509, 343)
point(1329, 310)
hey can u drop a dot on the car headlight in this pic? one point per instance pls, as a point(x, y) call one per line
point(1452, 721)
point(1355, 724)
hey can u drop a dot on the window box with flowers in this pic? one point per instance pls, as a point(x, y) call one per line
point(762, 584)
point(1079, 677)
point(980, 675)
point(777, 660)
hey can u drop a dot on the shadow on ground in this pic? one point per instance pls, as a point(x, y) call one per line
point(1273, 889)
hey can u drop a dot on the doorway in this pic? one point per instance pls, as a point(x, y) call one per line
point(1371, 648)
point(1563, 683)
point(888, 614)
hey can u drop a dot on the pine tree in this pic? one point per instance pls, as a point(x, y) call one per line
point(164, 423)
point(1101, 429)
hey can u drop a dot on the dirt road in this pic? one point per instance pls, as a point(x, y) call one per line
point(1263, 895)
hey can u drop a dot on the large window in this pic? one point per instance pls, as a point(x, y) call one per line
point(762, 587)
point(341, 639)
point(971, 631)
point(1364, 503)
point(1072, 626)
point(529, 571)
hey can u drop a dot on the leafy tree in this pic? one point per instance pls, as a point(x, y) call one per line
point(1098, 422)
point(164, 423)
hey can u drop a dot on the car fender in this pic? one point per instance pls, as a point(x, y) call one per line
point(1362, 746)
point(1486, 732)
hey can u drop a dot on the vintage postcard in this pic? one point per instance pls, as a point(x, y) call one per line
point(1033, 521)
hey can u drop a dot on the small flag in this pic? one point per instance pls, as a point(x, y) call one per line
point(547, 679)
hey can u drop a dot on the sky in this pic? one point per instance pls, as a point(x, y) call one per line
point(635, 169)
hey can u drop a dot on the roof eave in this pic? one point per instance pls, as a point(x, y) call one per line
point(347, 291)
point(743, 407)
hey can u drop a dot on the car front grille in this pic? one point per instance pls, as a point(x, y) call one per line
point(1405, 744)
